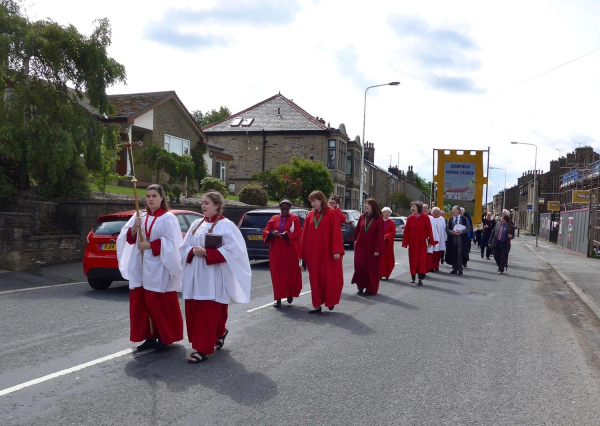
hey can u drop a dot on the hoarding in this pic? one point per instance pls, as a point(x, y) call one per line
point(581, 196)
point(554, 206)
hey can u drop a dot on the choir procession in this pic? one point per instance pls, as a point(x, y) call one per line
point(210, 266)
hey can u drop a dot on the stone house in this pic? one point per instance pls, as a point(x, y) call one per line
point(273, 131)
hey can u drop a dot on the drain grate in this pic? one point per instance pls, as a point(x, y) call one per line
point(475, 293)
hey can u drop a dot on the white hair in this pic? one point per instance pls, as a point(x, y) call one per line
point(435, 209)
point(505, 212)
point(462, 210)
point(386, 209)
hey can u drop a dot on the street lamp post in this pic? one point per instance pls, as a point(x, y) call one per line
point(362, 161)
point(535, 197)
point(503, 192)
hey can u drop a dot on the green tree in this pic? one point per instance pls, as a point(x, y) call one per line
point(198, 158)
point(109, 154)
point(43, 127)
point(210, 117)
point(422, 184)
point(401, 200)
point(311, 174)
point(272, 182)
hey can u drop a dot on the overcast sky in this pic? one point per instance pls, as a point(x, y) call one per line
point(448, 55)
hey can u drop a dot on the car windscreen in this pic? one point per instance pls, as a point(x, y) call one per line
point(110, 226)
point(256, 220)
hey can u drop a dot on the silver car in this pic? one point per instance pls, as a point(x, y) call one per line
point(400, 222)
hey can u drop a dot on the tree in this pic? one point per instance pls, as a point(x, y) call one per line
point(311, 175)
point(209, 117)
point(401, 200)
point(421, 183)
point(43, 127)
point(109, 154)
point(272, 182)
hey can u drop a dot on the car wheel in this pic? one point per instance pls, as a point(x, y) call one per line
point(99, 284)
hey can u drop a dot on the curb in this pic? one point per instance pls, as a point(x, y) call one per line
point(582, 296)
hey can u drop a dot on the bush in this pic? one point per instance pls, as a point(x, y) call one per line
point(272, 182)
point(217, 184)
point(254, 195)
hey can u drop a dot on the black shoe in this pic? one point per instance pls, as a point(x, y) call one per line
point(412, 279)
point(487, 257)
point(315, 311)
point(331, 308)
point(500, 273)
point(290, 299)
point(460, 272)
point(420, 282)
point(277, 304)
point(148, 344)
point(453, 272)
point(482, 255)
point(360, 291)
point(160, 346)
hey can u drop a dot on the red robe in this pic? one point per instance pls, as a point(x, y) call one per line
point(416, 233)
point(286, 274)
point(317, 247)
point(366, 244)
point(388, 260)
point(341, 215)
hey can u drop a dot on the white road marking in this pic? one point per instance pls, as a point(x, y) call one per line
point(39, 288)
point(64, 372)
point(271, 303)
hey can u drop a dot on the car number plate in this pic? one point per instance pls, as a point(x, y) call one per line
point(255, 237)
point(111, 246)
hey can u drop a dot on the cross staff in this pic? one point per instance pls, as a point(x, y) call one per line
point(129, 145)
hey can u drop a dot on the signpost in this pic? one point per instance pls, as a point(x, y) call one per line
point(541, 201)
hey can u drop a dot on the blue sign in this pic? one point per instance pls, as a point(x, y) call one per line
point(529, 208)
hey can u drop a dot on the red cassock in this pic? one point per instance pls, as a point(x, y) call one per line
point(341, 215)
point(388, 260)
point(368, 240)
point(283, 255)
point(321, 239)
point(416, 233)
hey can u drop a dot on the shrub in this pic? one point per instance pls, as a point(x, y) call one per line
point(217, 184)
point(254, 195)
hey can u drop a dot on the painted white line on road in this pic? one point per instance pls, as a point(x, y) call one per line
point(40, 288)
point(271, 303)
point(64, 372)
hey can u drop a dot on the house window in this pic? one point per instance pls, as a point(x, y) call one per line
point(177, 145)
point(219, 171)
point(349, 163)
point(331, 154)
point(342, 156)
point(348, 200)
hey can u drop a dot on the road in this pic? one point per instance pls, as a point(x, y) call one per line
point(473, 349)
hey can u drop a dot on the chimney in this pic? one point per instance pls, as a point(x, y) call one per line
point(409, 174)
point(394, 171)
point(370, 152)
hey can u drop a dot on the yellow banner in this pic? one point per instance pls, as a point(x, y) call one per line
point(581, 196)
point(554, 206)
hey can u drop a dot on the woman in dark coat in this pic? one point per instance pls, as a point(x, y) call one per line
point(368, 246)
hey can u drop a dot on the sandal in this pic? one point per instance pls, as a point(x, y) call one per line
point(219, 343)
point(197, 357)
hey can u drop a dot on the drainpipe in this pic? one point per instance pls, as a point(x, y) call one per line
point(264, 150)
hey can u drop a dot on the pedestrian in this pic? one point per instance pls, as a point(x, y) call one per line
point(153, 268)
point(457, 245)
point(464, 213)
point(368, 246)
point(488, 226)
point(322, 251)
point(500, 242)
point(388, 259)
point(334, 203)
point(283, 233)
point(430, 265)
point(505, 212)
point(216, 270)
point(417, 237)
point(438, 226)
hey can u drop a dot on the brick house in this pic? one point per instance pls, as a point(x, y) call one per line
point(273, 131)
point(162, 119)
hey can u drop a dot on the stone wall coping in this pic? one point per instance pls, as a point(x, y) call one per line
point(53, 237)
point(20, 200)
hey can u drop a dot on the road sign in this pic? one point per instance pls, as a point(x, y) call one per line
point(541, 201)
point(529, 208)
point(554, 206)
point(581, 196)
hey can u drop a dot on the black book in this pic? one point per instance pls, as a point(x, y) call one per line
point(213, 241)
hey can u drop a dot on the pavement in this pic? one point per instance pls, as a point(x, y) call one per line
point(582, 274)
point(477, 349)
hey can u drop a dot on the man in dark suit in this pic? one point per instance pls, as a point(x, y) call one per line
point(488, 226)
point(500, 242)
point(457, 246)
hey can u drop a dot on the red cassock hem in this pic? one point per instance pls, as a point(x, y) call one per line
point(155, 314)
point(205, 320)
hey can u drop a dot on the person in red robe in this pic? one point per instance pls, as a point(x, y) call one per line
point(322, 250)
point(368, 246)
point(388, 260)
point(417, 236)
point(334, 203)
point(283, 233)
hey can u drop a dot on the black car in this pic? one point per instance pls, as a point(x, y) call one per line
point(252, 225)
point(348, 227)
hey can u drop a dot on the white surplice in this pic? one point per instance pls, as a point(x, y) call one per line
point(221, 281)
point(155, 273)
point(438, 226)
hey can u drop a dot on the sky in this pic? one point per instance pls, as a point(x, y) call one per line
point(454, 60)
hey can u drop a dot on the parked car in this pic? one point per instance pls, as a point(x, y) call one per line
point(352, 217)
point(100, 263)
point(400, 222)
point(252, 225)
